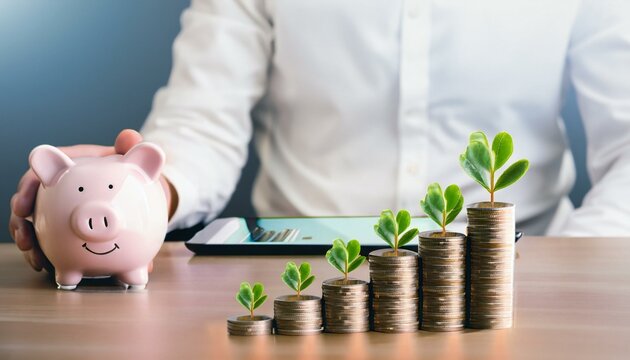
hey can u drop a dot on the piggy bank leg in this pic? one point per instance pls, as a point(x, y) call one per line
point(135, 279)
point(67, 280)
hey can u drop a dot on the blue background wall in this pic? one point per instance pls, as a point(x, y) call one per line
point(79, 71)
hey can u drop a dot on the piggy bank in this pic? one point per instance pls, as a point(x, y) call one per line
point(100, 216)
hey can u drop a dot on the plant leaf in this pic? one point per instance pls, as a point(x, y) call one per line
point(291, 276)
point(292, 270)
point(245, 295)
point(478, 174)
point(305, 270)
point(502, 146)
point(354, 249)
point(246, 290)
point(332, 261)
point(407, 237)
point(387, 222)
point(479, 154)
point(452, 194)
point(433, 203)
point(378, 231)
point(289, 281)
point(260, 301)
point(454, 202)
point(339, 242)
point(341, 256)
point(242, 301)
point(387, 225)
point(306, 283)
point(450, 216)
point(356, 263)
point(258, 290)
point(403, 219)
point(478, 136)
point(512, 174)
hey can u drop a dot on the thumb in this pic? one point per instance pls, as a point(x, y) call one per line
point(125, 140)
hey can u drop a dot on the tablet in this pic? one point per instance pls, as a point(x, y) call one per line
point(296, 236)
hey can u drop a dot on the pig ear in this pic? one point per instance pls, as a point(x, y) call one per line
point(148, 157)
point(49, 163)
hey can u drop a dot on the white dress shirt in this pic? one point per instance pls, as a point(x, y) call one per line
point(357, 105)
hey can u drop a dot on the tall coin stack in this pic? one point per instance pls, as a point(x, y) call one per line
point(346, 305)
point(250, 326)
point(443, 263)
point(491, 247)
point(394, 280)
point(298, 315)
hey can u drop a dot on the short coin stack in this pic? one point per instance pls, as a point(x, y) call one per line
point(298, 315)
point(249, 326)
point(394, 280)
point(491, 242)
point(443, 263)
point(346, 305)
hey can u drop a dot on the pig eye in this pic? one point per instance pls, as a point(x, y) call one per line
point(80, 188)
point(111, 186)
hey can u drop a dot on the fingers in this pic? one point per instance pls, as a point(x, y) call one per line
point(23, 201)
point(127, 139)
point(35, 258)
point(22, 232)
point(24, 236)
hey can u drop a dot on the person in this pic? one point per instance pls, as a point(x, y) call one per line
point(357, 106)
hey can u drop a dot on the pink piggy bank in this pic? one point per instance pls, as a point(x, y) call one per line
point(100, 216)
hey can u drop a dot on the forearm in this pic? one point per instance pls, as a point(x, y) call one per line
point(201, 119)
point(599, 56)
point(605, 209)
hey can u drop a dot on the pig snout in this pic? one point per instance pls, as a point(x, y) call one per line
point(95, 221)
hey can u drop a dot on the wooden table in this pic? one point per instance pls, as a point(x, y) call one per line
point(572, 301)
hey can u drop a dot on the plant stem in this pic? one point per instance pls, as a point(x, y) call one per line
point(251, 313)
point(298, 291)
point(492, 188)
point(443, 223)
point(345, 273)
point(396, 245)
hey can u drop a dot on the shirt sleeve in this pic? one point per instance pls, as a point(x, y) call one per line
point(599, 66)
point(202, 117)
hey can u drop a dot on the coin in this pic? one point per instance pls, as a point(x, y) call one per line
point(298, 315)
point(491, 244)
point(394, 284)
point(346, 305)
point(443, 265)
point(248, 326)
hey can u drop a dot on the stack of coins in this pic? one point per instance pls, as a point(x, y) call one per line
point(443, 263)
point(394, 282)
point(346, 305)
point(249, 326)
point(298, 315)
point(491, 232)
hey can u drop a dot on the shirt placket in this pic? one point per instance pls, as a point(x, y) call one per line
point(413, 118)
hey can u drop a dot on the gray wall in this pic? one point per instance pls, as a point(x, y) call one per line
point(79, 71)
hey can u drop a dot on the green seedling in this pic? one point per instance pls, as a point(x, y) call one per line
point(298, 278)
point(442, 207)
point(481, 162)
point(392, 229)
point(345, 258)
point(251, 297)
